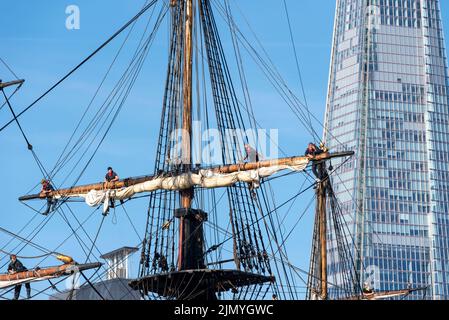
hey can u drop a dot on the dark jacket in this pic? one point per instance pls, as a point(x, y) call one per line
point(313, 153)
point(110, 177)
point(252, 155)
point(16, 266)
point(47, 187)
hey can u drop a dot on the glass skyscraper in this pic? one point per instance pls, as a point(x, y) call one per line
point(388, 101)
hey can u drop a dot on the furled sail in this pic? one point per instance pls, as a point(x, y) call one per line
point(204, 179)
point(217, 177)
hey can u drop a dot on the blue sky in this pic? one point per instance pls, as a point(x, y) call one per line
point(39, 48)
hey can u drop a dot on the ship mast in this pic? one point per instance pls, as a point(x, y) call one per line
point(321, 207)
point(189, 277)
point(186, 195)
point(319, 289)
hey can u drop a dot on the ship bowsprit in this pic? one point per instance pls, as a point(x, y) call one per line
point(197, 284)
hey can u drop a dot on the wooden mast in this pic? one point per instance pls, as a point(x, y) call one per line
point(322, 192)
point(187, 97)
point(186, 195)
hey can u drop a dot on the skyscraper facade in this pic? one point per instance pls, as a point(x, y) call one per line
point(388, 101)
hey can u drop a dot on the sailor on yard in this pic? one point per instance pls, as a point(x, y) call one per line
point(367, 289)
point(110, 176)
point(317, 168)
point(14, 267)
point(47, 188)
point(251, 154)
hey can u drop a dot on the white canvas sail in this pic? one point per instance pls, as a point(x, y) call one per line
point(204, 179)
point(11, 283)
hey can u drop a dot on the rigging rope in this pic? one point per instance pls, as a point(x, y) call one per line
point(30, 147)
point(10, 96)
point(297, 222)
point(275, 78)
point(104, 44)
point(73, 231)
point(27, 257)
point(131, 222)
point(299, 69)
point(243, 229)
point(271, 73)
point(20, 231)
point(9, 68)
point(36, 246)
point(64, 159)
point(32, 235)
point(287, 201)
point(96, 237)
point(78, 238)
point(93, 98)
point(130, 75)
point(92, 286)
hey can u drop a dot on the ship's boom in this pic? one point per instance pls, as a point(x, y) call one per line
point(18, 278)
